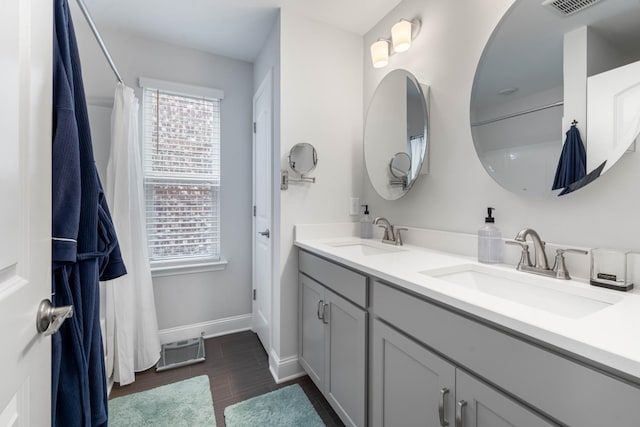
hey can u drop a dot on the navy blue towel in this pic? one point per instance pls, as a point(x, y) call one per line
point(573, 160)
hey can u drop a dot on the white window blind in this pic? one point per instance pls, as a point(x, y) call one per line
point(181, 176)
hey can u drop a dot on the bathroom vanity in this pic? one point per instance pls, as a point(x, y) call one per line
point(413, 336)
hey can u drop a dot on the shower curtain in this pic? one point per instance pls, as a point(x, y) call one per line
point(132, 338)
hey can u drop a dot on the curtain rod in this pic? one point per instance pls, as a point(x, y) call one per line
point(520, 113)
point(96, 33)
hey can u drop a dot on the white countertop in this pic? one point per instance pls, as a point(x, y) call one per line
point(609, 336)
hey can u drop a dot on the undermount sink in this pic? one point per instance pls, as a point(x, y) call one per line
point(360, 248)
point(543, 294)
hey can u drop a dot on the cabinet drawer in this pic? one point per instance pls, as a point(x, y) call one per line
point(567, 391)
point(349, 284)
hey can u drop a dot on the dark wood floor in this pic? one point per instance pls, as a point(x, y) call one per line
point(238, 369)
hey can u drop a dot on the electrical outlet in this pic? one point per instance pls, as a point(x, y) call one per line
point(354, 207)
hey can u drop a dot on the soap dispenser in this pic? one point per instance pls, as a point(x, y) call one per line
point(366, 226)
point(490, 244)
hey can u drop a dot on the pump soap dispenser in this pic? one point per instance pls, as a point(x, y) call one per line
point(366, 226)
point(490, 244)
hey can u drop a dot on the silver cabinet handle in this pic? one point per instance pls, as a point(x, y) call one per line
point(324, 314)
point(265, 233)
point(320, 307)
point(460, 413)
point(443, 395)
point(49, 319)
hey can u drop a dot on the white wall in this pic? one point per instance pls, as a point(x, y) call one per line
point(455, 194)
point(203, 297)
point(321, 78)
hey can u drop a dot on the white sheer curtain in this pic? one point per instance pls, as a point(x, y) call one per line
point(416, 148)
point(131, 325)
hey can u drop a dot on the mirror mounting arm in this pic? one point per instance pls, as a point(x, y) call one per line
point(403, 182)
point(285, 180)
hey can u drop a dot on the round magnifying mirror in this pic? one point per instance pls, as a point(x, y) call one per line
point(303, 158)
point(396, 128)
point(400, 165)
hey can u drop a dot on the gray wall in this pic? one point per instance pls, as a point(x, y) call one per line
point(455, 194)
point(200, 297)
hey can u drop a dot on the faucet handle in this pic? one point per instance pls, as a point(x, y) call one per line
point(525, 259)
point(571, 250)
point(386, 231)
point(559, 267)
point(399, 241)
point(523, 244)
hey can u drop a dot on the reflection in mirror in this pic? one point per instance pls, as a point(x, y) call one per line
point(396, 133)
point(400, 168)
point(530, 85)
point(303, 158)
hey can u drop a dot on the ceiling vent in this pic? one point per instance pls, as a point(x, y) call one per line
point(569, 7)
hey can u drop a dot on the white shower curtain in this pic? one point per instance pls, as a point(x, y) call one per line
point(132, 338)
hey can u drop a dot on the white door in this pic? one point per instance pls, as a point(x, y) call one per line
point(262, 184)
point(25, 210)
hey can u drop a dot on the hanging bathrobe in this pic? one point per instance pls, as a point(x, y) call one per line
point(84, 245)
point(133, 344)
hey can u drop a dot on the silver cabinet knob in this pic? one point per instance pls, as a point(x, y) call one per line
point(49, 319)
point(265, 233)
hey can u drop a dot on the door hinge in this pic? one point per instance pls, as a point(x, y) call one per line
point(254, 127)
point(254, 294)
point(254, 210)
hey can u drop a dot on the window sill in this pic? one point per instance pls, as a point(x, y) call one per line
point(164, 269)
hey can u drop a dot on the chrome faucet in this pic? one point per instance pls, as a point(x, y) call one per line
point(391, 234)
point(541, 262)
point(541, 265)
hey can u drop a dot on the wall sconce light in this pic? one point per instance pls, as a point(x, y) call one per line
point(380, 53)
point(402, 33)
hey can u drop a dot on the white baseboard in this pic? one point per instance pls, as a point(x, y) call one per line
point(209, 329)
point(284, 369)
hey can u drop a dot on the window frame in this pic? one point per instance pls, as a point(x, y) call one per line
point(191, 264)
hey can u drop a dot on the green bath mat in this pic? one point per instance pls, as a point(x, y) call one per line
point(286, 407)
point(186, 403)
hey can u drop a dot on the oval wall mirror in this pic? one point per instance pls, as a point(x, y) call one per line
point(530, 86)
point(396, 137)
point(303, 158)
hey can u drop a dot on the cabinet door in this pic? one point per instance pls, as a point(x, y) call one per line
point(479, 405)
point(411, 386)
point(345, 381)
point(311, 339)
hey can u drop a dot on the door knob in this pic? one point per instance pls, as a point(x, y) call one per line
point(49, 319)
point(264, 233)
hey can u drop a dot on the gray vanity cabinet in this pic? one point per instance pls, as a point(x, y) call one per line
point(530, 376)
point(332, 341)
point(311, 354)
point(409, 384)
point(412, 386)
point(430, 364)
point(479, 405)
